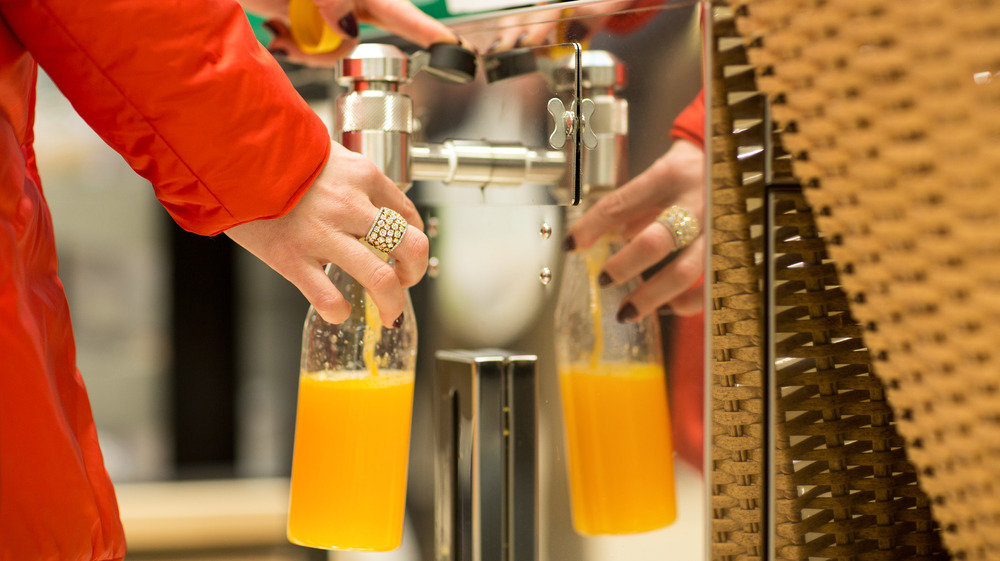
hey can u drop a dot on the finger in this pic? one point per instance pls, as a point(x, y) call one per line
point(409, 254)
point(507, 39)
point(339, 17)
point(266, 8)
point(286, 49)
point(378, 277)
point(643, 251)
point(396, 200)
point(537, 35)
point(313, 283)
point(406, 20)
point(636, 200)
point(669, 283)
point(411, 257)
point(689, 302)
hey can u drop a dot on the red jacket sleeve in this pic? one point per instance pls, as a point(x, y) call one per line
point(185, 93)
point(690, 124)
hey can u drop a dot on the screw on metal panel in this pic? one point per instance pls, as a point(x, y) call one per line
point(545, 276)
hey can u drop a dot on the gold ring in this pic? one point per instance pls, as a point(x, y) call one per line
point(682, 225)
point(387, 230)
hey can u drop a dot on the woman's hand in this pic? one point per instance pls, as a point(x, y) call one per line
point(326, 226)
point(399, 17)
point(677, 178)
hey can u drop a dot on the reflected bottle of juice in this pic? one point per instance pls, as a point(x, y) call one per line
point(614, 398)
point(352, 427)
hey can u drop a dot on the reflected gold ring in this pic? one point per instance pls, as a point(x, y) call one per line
point(682, 225)
point(387, 231)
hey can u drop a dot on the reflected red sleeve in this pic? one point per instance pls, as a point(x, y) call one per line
point(690, 124)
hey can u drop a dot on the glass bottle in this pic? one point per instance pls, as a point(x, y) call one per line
point(614, 399)
point(352, 429)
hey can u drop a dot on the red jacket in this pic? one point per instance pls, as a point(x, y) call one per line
point(187, 96)
point(687, 368)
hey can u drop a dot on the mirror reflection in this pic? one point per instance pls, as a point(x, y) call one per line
point(196, 406)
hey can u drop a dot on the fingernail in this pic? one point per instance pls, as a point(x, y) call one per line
point(278, 52)
point(458, 38)
point(520, 39)
point(349, 24)
point(493, 46)
point(272, 27)
point(569, 244)
point(576, 31)
point(604, 279)
point(627, 313)
point(398, 323)
point(666, 310)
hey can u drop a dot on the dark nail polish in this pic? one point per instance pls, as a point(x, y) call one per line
point(398, 323)
point(349, 24)
point(493, 46)
point(604, 279)
point(626, 313)
point(569, 244)
point(576, 31)
point(278, 52)
point(520, 39)
point(272, 27)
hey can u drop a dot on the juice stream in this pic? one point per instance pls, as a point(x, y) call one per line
point(373, 328)
point(595, 259)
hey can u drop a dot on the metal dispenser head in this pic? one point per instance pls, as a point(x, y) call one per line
point(373, 118)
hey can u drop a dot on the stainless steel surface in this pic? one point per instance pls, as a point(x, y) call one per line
point(374, 110)
point(599, 70)
point(485, 456)
point(488, 290)
point(372, 107)
point(374, 62)
point(386, 149)
point(482, 163)
point(605, 165)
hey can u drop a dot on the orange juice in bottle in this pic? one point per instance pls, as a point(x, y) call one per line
point(352, 428)
point(614, 399)
point(352, 439)
point(619, 449)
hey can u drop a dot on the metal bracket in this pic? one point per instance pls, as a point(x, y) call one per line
point(567, 120)
point(485, 470)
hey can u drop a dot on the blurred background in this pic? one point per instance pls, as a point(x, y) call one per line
point(190, 347)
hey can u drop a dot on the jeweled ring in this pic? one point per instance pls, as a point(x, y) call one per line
point(387, 230)
point(682, 225)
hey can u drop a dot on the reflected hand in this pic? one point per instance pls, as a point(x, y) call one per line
point(559, 25)
point(399, 17)
point(677, 178)
point(326, 226)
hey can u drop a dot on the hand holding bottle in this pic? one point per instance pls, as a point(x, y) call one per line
point(677, 178)
point(326, 226)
